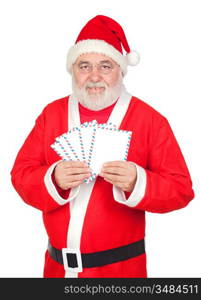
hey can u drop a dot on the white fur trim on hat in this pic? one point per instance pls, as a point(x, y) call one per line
point(97, 46)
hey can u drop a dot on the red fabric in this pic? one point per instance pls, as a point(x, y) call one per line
point(106, 29)
point(107, 224)
point(101, 116)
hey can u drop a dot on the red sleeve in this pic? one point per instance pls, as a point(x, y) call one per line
point(169, 186)
point(29, 169)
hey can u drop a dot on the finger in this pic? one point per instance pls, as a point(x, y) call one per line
point(76, 183)
point(74, 178)
point(117, 183)
point(114, 170)
point(115, 163)
point(114, 178)
point(71, 185)
point(72, 171)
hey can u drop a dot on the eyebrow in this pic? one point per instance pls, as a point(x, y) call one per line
point(106, 61)
point(88, 62)
point(83, 62)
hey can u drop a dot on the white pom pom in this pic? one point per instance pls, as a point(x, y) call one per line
point(133, 58)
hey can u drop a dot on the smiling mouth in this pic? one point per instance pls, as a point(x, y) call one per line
point(95, 90)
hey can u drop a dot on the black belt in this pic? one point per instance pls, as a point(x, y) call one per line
point(96, 259)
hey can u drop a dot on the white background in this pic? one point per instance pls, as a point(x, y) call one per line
point(35, 37)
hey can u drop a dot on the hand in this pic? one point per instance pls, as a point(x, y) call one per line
point(70, 174)
point(122, 174)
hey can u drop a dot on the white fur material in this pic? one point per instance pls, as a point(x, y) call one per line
point(133, 58)
point(97, 46)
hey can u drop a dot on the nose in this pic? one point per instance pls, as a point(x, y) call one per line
point(95, 75)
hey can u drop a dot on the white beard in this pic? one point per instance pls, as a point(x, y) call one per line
point(100, 100)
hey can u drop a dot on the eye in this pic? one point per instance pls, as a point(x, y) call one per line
point(84, 67)
point(105, 67)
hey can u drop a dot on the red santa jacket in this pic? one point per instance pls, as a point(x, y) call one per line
point(110, 218)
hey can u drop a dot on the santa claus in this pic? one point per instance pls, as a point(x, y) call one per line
point(97, 229)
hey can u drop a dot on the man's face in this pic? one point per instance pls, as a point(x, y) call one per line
point(85, 60)
point(97, 80)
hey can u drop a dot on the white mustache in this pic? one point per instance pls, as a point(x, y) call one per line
point(95, 84)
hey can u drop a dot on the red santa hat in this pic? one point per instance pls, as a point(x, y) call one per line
point(103, 35)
